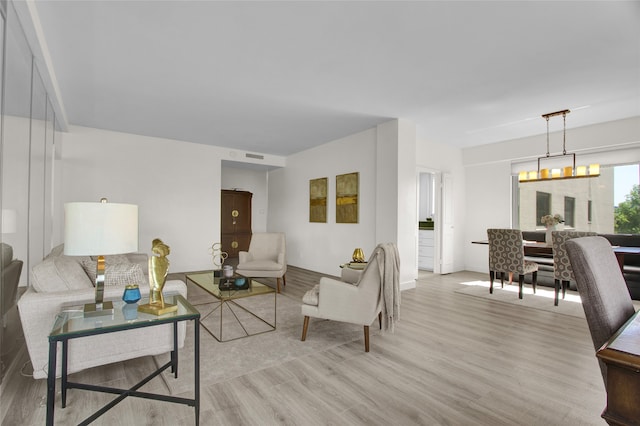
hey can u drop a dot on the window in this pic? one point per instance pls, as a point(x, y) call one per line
point(606, 204)
point(569, 211)
point(543, 206)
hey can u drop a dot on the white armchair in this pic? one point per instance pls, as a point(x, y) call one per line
point(359, 297)
point(266, 258)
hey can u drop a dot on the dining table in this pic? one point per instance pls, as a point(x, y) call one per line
point(540, 248)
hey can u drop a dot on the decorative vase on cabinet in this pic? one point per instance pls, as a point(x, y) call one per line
point(548, 238)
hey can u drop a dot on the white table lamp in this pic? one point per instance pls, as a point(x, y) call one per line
point(99, 229)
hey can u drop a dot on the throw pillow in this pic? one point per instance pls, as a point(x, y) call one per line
point(57, 251)
point(119, 274)
point(59, 274)
point(113, 258)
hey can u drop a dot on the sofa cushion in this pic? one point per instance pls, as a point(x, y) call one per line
point(59, 274)
point(260, 265)
point(311, 296)
point(119, 274)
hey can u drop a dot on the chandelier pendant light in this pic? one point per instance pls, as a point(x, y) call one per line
point(564, 172)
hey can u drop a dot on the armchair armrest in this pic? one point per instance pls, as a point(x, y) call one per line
point(244, 256)
point(351, 276)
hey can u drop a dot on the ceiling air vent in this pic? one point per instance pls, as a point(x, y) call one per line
point(256, 156)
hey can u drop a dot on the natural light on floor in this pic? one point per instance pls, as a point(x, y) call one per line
point(541, 291)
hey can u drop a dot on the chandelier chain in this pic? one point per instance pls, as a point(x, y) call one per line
point(547, 118)
point(564, 132)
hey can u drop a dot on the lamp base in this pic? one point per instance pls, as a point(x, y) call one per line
point(98, 309)
point(156, 309)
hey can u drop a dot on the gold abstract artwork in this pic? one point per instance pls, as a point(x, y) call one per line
point(318, 200)
point(347, 187)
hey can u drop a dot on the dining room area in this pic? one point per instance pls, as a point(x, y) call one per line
point(569, 239)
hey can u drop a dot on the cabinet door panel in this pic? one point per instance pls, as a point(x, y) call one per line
point(235, 212)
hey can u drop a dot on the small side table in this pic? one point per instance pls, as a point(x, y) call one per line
point(71, 324)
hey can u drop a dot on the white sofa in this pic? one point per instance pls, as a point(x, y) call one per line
point(61, 281)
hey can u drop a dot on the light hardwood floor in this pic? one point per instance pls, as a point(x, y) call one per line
point(453, 359)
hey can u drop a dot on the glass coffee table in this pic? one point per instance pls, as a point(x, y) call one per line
point(244, 320)
point(71, 324)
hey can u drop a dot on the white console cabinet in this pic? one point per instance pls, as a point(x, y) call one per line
point(425, 250)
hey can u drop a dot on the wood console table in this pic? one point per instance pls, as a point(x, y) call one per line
point(621, 355)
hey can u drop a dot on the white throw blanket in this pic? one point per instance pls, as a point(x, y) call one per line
point(389, 270)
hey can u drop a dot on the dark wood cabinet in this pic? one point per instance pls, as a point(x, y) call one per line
point(235, 215)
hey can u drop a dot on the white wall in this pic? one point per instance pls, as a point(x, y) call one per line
point(488, 172)
point(254, 181)
point(175, 184)
point(323, 247)
point(396, 194)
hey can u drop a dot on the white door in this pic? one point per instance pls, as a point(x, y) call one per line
point(444, 224)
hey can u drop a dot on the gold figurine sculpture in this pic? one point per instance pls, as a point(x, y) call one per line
point(158, 269)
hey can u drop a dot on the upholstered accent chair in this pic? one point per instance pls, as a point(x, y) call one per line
point(266, 258)
point(562, 272)
point(11, 271)
point(506, 255)
point(359, 296)
point(605, 298)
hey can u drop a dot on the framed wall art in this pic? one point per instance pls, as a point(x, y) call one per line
point(318, 200)
point(347, 188)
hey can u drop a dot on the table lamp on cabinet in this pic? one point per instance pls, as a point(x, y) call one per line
point(100, 229)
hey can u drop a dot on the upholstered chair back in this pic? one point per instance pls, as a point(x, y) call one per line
point(561, 265)
point(605, 298)
point(267, 246)
point(506, 251)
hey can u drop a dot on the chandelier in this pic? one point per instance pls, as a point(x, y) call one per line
point(565, 171)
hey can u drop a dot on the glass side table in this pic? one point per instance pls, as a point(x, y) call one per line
point(71, 324)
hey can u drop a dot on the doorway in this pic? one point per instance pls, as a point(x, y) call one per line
point(435, 221)
point(426, 214)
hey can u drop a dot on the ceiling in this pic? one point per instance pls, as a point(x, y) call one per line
point(281, 77)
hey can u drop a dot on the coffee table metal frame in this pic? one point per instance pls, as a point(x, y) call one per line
point(70, 324)
point(209, 283)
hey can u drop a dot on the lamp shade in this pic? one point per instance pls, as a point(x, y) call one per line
point(100, 228)
point(9, 221)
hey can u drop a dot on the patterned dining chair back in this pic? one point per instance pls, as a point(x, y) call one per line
point(506, 255)
point(506, 252)
point(561, 265)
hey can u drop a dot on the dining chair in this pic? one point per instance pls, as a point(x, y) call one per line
point(562, 272)
point(605, 298)
point(506, 254)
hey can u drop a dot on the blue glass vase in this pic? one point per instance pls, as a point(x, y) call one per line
point(131, 293)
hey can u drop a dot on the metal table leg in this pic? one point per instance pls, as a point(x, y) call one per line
point(51, 381)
